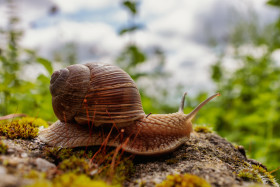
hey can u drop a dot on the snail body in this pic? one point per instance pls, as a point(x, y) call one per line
point(97, 104)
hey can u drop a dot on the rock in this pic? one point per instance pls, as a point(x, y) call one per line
point(24, 155)
point(9, 180)
point(208, 156)
point(10, 151)
point(3, 170)
point(43, 165)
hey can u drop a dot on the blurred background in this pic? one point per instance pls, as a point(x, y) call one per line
point(168, 47)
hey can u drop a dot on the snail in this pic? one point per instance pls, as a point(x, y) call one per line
point(97, 103)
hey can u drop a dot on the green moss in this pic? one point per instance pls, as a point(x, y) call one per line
point(59, 154)
point(3, 148)
point(25, 128)
point(236, 146)
point(267, 178)
point(142, 183)
point(260, 169)
point(203, 129)
point(77, 161)
point(56, 153)
point(186, 180)
point(75, 165)
point(123, 170)
point(172, 161)
point(257, 174)
point(117, 172)
point(36, 122)
point(41, 183)
point(70, 180)
point(33, 174)
point(78, 180)
point(250, 175)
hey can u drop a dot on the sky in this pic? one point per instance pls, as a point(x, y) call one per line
point(180, 28)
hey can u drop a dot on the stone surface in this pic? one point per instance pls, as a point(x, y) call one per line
point(43, 165)
point(206, 155)
point(3, 170)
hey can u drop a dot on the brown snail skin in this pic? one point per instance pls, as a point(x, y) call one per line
point(100, 104)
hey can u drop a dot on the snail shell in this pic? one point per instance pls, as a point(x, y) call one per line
point(95, 92)
point(99, 104)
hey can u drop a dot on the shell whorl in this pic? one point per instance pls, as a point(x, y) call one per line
point(96, 93)
point(68, 87)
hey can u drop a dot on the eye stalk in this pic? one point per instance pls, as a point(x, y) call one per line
point(181, 108)
point(195, 111)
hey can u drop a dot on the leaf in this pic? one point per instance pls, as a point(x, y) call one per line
point(30, 52)
point(131, 6)
point(136, 55)
point(217, 72)
point(46, 63)
point(274, 2)
point(43, 79)
point(130, 29)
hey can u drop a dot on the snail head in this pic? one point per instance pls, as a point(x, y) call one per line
point(189, 117)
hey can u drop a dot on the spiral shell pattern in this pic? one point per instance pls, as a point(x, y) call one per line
point(96, 94)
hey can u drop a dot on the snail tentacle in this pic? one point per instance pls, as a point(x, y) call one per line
point(195, 111)
point(181, 108)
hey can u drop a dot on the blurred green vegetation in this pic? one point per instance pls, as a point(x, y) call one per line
point(247, 113)
point(17, 94)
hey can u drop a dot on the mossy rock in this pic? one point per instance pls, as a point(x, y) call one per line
point(186, 180)
point(25, 128)
point(71, 180)
point(202, 129)
point(204, 157)
point(3, 148)
point(207, 156)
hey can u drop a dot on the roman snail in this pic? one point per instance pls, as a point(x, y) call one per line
point(97, 102)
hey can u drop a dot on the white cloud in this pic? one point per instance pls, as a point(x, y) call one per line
point(172, 17)
point(171, 25)
point(187, 61)
point(3, 16)
point(71, 6)
point(276, 56)
point(190, 66)
point(86, 35)
point(26, 10)
point(157, 7)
